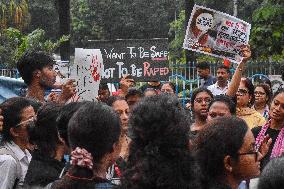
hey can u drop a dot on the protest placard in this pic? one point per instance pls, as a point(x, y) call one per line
point(87, 71)
point(217, 34)
point(143, 59)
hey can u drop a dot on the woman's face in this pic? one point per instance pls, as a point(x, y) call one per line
point(21, 129)
point(166, 88)
point(243, 97)
point(277, 107)
point(260, 95)
point(201, 103)
point(248, 165)
point(218, 109)
point(122, 109)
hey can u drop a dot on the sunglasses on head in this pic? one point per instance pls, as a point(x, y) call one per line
point(29, 123)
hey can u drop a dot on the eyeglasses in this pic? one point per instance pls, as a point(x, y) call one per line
point(242, 92)
point(258, 93)
point(255, 153)
point(29, 123)
point(200, 100)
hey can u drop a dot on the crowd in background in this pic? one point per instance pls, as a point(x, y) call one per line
point(229, 136)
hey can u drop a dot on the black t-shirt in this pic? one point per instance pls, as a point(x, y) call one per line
point(273, 135)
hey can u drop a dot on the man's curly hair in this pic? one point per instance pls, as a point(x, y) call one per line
point(159, 154)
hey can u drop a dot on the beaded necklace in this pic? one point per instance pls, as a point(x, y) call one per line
point(278, 147)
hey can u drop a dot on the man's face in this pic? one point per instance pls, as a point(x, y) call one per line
point(48, 76)
point(218, 109)
point(203, 73)
point(103, 95)
point(222, 75)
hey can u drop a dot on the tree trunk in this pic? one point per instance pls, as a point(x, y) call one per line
point(235, 8)
point(63, 7)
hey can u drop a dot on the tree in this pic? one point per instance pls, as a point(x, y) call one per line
point(63, 7)
point(13, 44)
point(14, 14)
point(84, 26)
point(267, 35)
point(44, 16)
point(134, 18)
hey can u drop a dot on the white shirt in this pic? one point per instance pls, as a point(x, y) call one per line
point(8, 166)
point(216, 90)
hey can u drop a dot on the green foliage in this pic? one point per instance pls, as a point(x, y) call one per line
point(177, 29)
point(14, 14)
point(13, 44)
point(84, 26)
point(44, 16)
point(267, 37)
point(267, 34)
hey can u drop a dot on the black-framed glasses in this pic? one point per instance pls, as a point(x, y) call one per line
point(242, 92)
point(200, 100)
point(255, 153)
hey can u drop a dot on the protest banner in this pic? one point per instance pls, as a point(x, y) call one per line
point(143, 59)
point(87, 71)
point(217, 34)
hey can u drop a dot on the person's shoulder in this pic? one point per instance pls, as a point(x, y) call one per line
point(211, 87)
point(259, 118)
point(7, 160)
point(8, 165)
point(256, 130)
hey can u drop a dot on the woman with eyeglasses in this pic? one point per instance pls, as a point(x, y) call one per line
point(226, 153)
point(245, 100)
point(274, 129)
point(200, 101)
point(262, 95)
point(14, 155)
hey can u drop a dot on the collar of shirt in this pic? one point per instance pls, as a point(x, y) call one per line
point(218, 87)
point(19, 153)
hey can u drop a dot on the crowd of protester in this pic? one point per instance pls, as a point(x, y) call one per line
point(229, 136)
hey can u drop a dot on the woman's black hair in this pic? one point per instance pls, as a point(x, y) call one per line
point(281, 90)
point(197, 91)
point(221, 137)
point(272, 177)
point(249, 85)
point(267, 91)
point(44, 134)
point(11, 111)
point(133, 92)
point(226, 100)
point(94, 127)
point(113, 99)
point(171, 84)
point(35, 104)
point(63, 118)
point(159, 156)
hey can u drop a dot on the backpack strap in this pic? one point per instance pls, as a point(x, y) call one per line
point(6, 151)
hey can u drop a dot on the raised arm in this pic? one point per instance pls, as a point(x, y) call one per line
point(234, 85)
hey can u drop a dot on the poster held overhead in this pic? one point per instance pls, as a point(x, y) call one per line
point(143, 59)
point(217, 34)
point(87, 71)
